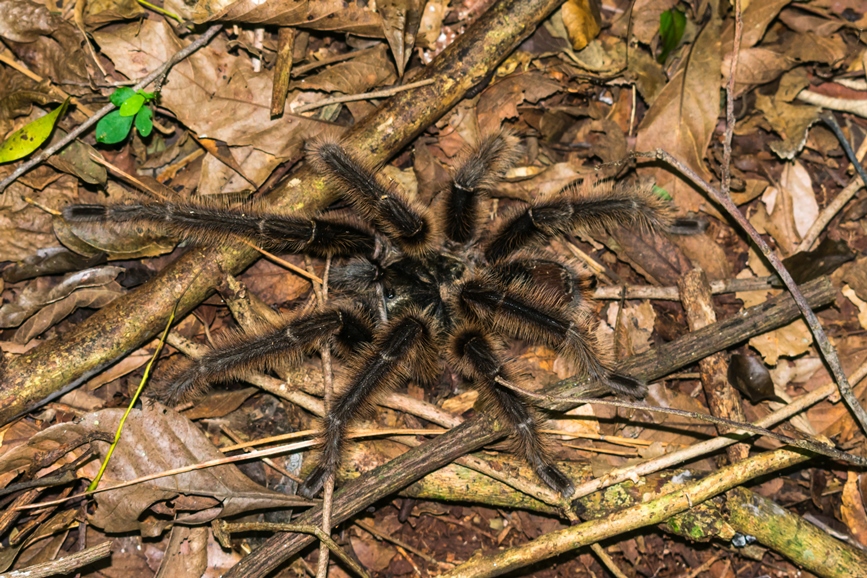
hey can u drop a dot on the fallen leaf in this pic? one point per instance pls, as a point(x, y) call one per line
point(56, 311)
point(400, 23)
point(683, 117)
point(860, 304)
point(789, 341)
point(155, 439)
point(852, 508)
point(35, 295)
point(790, 121)
point(581, 19)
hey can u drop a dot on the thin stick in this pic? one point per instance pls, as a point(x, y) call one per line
point(672, 293)
point(730, 102)
point(310, 275)
point(829, 354)
point(83, 127)
point(706, 447)
point(363, 96)
point(65, 565)
point(33, 76)
point(226, 528)
point(816, 446)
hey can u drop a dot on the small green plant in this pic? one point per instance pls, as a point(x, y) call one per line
point(115, 126)
point(672, 24)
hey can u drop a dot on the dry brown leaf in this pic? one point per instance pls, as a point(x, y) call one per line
point(24, 228)
point(791, 121)
point(53, 313)
point(683, 117)
point(400, 22)
point(581, 19)
point(215, 94)
point(156, 439)
point(500, 101)
point(186, 554)
point(789, 341)
point(648, 74)
point(49, 45)
point(756, 19)
point(325, 15)
point(370, 69)
point(373, 553)
point(101, 12)
point(42, 292)
point(859, 303)
point(852, 508)
point(645, 18)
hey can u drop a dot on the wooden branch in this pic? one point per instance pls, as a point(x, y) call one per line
point(60, 364)
point(638, 516)
point(722, 399)
point(477, 432)
point(789, 534)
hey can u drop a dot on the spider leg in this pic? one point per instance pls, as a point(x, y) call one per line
point(590, 205)
point(403, 222)
point(478, 172)
point(320, 236)
point(478, 358)
point(539, 315)
point(404, 349)
point(345, 327)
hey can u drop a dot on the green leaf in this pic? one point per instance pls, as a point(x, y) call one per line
point(27, 139)
point(672, 24)
point(144, 123)
point(661, 193)
point(113, 128)
point(119, 96)
point(132, 105)
point(149, 96)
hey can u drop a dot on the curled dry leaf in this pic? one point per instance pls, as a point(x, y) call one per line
point(36, 295)
point(581, 19)
point(789, 341)
point(400, 23)
point(53, 313)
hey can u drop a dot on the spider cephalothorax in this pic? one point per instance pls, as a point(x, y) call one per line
point(432, 280)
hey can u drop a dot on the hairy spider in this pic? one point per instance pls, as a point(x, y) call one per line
point(433, 279)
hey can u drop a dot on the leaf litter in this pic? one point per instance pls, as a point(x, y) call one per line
point(581, 95)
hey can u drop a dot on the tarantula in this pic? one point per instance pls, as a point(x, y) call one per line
point(431, 283)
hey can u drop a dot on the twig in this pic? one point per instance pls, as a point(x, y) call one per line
point(33, 76)
point(63, 566)
point(829, 354)
point(83, 127)
point(730, 102)
point(397, 542)
point(363, 96)
point(811, 445)
point(223, 529)
point(706, 447)
point(607, 560)
point(672, 293)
